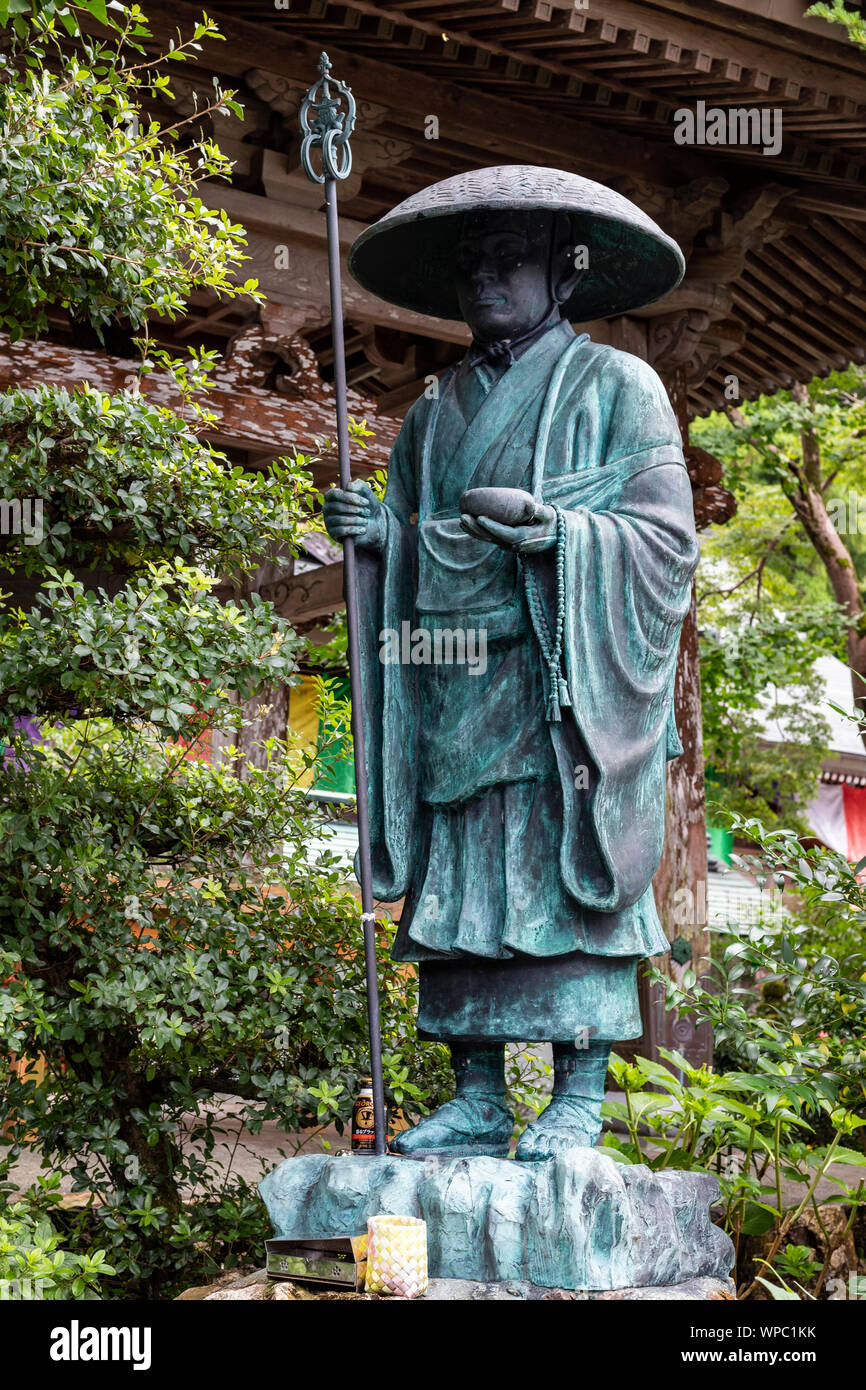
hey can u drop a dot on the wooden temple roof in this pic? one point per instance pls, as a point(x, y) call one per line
point(776, 282)
point(775, 288)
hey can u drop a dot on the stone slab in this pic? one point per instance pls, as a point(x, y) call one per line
point(520, 1290)
point(580, 1221)
point(258, 1287)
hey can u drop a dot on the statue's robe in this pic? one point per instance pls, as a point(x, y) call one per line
point(526, 848)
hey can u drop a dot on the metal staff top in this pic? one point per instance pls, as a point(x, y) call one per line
point(331, 128)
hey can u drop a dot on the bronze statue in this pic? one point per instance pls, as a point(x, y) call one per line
point(539, 497)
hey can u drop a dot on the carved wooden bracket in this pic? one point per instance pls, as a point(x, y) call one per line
point(273, 355)
point(692, 339)
point(681, 212)
point(713, 506)
point(284, 96)
point(696, 327)
point(713, 503)
point(673, 339)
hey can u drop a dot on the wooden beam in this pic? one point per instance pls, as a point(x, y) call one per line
point(827, 202)
point(799, 59)
point(315, 594)
point(247, 416)
point(490, 124)
point(530, 58)
point(683, 863)
point(303, 284)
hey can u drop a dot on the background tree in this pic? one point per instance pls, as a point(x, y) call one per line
point(765, 617)
point(808, 442)
point(796, 459)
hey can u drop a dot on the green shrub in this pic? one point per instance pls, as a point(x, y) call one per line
point(121, 482)
point(32, 1263)
point(166, 936)
point(100, 211)
point(790, 1105)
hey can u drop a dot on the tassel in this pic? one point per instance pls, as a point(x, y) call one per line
point(564, 697)
point(553, 714)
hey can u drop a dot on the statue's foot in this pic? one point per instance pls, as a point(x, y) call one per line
point(569, 1122)
point(459, 1128)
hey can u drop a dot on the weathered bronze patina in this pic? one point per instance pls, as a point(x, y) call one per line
point(518, 802)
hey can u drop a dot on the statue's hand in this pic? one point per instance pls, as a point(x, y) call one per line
point(526, 540)
point(357, 512)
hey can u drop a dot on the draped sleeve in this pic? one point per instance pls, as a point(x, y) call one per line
point(630, 553)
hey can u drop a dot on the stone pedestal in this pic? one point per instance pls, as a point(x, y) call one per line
point(258, 1288)
point(581, 1221)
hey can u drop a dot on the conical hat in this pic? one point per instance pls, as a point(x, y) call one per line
point(408, 256)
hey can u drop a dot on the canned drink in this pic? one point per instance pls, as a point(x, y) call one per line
point(364, 1119)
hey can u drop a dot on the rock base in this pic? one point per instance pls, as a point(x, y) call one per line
point(578, 1222)
point(258, 1288)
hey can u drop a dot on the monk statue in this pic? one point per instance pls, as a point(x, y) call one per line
point(537, 509)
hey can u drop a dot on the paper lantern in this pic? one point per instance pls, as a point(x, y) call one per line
point(397, 1255)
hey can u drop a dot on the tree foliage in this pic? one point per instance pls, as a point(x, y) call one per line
point(838, 12)
point(100, 213)
point(788, 1010)
point(779, 585)
point(764, 618)
point(167, 935)
point(121, 481)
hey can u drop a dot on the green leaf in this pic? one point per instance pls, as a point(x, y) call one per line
point(758, 1219)
point(777, 1292)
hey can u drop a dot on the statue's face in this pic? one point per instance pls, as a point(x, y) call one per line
point(502, 274)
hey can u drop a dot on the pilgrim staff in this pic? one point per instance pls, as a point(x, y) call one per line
point(332, 107)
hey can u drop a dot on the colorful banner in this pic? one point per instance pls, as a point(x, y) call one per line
point(838, 817)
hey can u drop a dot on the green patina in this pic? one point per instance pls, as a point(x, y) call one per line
point(518, 802)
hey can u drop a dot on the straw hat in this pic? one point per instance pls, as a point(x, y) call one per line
point(407, 257)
